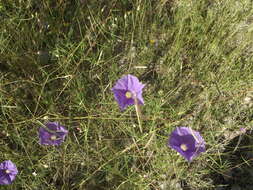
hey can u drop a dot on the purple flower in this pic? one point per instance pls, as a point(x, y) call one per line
point(53, 134)
point(243, 130)
point(127, 91)
point(8, 172)
point(187, 142)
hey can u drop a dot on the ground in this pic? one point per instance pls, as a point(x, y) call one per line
point(60, 59)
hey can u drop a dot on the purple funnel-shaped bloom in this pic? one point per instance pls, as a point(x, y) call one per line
point(187, 142)
point(127, 90)
point(53, 134)
point(8, 172)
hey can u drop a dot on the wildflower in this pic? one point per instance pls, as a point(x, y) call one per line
point(187, 142)
point(128, 91)
point(8, 172)
point(243, 130)
point(52, 134)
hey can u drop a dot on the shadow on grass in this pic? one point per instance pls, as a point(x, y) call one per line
point(239, 155)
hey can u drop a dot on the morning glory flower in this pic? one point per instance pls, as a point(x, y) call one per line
point(187, 142)
point(8, 172)
point(52, 134)
point(128, 91)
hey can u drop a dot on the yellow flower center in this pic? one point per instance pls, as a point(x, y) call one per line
point(53, 137)
point(152, 41)
point(128, 94)
point(7, 171)
point(183, 147)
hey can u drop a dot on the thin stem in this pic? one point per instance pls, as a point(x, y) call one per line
point(46, 128)
point(138, 112)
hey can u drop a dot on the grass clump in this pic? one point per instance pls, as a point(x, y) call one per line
point(60, 59)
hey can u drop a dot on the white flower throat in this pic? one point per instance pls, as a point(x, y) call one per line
point(53, 137)
point(7, 171)
point(184, 147)
point(128, 94)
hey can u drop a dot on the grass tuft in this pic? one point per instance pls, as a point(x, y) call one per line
point(59, 60)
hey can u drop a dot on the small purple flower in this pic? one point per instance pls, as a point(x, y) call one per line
point(187, 142)
point(127, 91)
point(243, 130)
point(8, 172)
point(53, 134)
